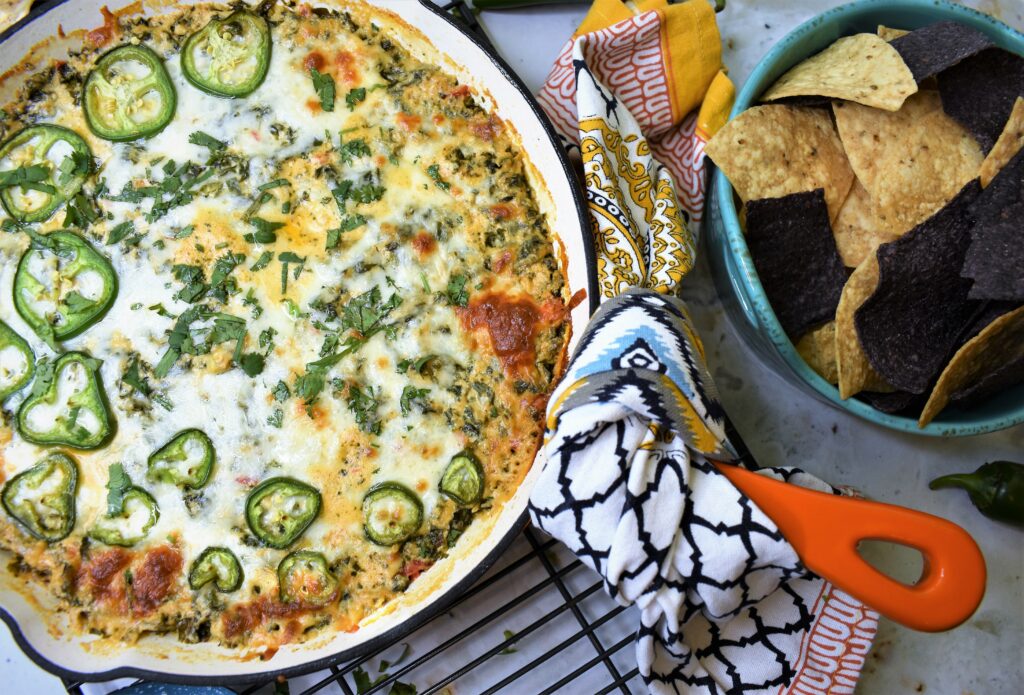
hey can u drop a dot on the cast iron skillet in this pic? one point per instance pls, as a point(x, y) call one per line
point(471, 60)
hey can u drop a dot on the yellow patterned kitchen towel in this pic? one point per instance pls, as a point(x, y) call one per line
point(638, 91)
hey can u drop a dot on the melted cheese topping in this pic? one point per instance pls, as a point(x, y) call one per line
point(434, 209)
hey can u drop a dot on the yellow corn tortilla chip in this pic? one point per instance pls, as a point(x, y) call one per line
point(1010, 141)
point(863, 68)
point(888, 33)
point(1001, 342)
point(772, 151)
point(911, 161)
point(856, 230)
point(818, 348)
point(854, 372)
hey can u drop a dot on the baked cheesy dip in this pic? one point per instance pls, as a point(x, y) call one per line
point(280, 313)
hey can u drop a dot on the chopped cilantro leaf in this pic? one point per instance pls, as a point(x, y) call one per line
point(75, 164)
point(435, 173)
point(263, 261)
point(252, 363)
point(412, 396)
point(276, 418)
point(456, 291)
point(117, 485)
point(266, 231)
point(367, 193)
point(364, 405)
point(80, 212)
point(352, 222)
point(119, 232)
point(354, 97)
point(30, 177)
point(324, 86)
point(281, 392)
point(208, 141)
point(352, 149)
point(276, 183)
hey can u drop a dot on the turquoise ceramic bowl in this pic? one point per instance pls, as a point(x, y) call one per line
point(733, 268)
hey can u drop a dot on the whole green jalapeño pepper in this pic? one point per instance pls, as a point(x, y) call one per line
point(17, 362)
point(218, 566)
point(67, 405)
point(228, 57)
point(41, 167)
point(139, 512)
point(278, 510)
point(391, 513)
point(128, 95)
point(304, 577)
point(463, 479)
point(996, 489)
point(42, 498)
point(186, 460)
point(63, 285)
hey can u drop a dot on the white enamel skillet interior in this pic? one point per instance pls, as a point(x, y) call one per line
point(165, 658)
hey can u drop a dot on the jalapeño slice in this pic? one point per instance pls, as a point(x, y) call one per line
point(17, 362)
point(128, 95)
point(67, 404)
point(304, 577)
point(41, 167)
point(463, 479)
point(391, 513)
point(278, 510)
point(228, 57)
point(63, 285)
point(42, 498)
point(217, 565)
point(138, 514)
point(186, 460)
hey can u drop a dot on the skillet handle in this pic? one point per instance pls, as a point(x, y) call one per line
point(825, 530)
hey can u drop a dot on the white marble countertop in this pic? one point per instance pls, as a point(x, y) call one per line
point(783, 426)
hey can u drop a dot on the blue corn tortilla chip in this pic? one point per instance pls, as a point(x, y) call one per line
point(895, 403)
point(978, 92)
point(995, 257)
point(795, 254)
point(909, 327)
point(930, 50)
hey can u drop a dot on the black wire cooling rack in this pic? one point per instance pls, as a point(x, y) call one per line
point(538, 621)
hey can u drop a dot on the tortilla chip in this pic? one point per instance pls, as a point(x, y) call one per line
point(863, 68)
point(995, 257)
point(889, 33)
point(930, 50)
point(772, 151)
point(853, 371)
point(796, 259)
point(1000, 343)
point(856, 228)
point(911, 162)
point(1010, 142)
point(979, 92)
point(818, 348)
point(1005, 377)
point(894, 403)
point(911, 323)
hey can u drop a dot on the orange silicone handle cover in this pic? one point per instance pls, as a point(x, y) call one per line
point(825, 529)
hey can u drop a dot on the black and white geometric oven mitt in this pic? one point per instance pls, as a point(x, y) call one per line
point(725, 604)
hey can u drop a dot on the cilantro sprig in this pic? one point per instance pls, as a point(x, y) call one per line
point(325, 89)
